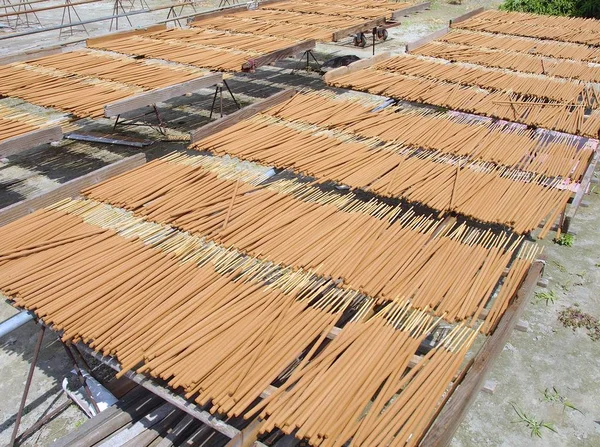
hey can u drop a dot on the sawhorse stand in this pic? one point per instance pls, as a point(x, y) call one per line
point(308, 54)
point(219, 92)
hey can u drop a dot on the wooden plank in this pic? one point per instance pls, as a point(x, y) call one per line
point(365, 26)
point(160, 95)
point(171, 438)
point(71, 188)
point(410, 10)
point(428, 38)
point(443, 428)
point(148, 421)
point(125, 33)
point(583, 188)
point(29, 140)
point(355, 66)
point(109, 418)
point(174, 399)
point(246, 437)
point(242, 114)
point(466, 16)
point(280, 54)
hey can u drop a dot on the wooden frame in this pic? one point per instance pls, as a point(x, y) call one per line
point(578, 198)
point(466, 16)
point(242, 114)
point(269, 58)
point(174, 399)
point(410, 10)
point(368, 25)
point(48, 51)
point(442, 430)
point(28, 140)
point(160, 95)
point(225, 11)
point(71, 188)
point(125, 33)
point(426, 39)
point(355, 66)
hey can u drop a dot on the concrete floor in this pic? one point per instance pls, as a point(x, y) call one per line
point(549, 355)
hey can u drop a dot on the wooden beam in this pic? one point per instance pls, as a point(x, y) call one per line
point(160, 95)
point(466, 16)
point(126, 33)
point(410, 10)
point(355, 66)
point(365, 26)
point(428, 38)
point(583, 188)
point(26, 141)
point(443, 428)
point(280, 54)
point(71, 188)
point(246, 437)
point(242, 114)
point(42, 52)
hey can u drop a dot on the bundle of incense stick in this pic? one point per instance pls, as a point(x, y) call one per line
point(541, 87)
point(324, 8)
point(358, 389)
point(563, 117)
point(202, 48)
point(363, 4)
point(71, 81)
point(527, 254)
point(518, 148)
point(565, 29)
point(14, 123)
point(526, 45)
point(186, 247)
point(372, 247)
point(116, 68)
point(135, 301)
point(257, 27)
point(502, 58)
point(516, 199)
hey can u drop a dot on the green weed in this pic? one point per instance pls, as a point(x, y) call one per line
point(531, 422)
point(553, 396)
point(565, 239)
point(549, 297)
point(574, 318)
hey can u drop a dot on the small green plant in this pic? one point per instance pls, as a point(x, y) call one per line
point(597, 264)
point(565, 239)
point(548, 297)
point(531, 422)
point(573, 318)
point(553, 396)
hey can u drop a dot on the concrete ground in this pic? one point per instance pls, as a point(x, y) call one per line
point(547, 356)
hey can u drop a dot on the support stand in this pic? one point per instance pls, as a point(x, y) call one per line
point(175, 15)
point(61, 408)
point(219, 91)
point(67, 13)
point(133, 121)
point(24, 12)
point(308, 54)
point(115, 20)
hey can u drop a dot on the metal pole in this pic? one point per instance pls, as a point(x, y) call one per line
point(15, 322)
point(81, 377)
point(36, 354)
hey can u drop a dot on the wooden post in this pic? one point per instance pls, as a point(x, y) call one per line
point(466, 16)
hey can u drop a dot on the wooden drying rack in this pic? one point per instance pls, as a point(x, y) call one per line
point(137, 101)
point(338, 35)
